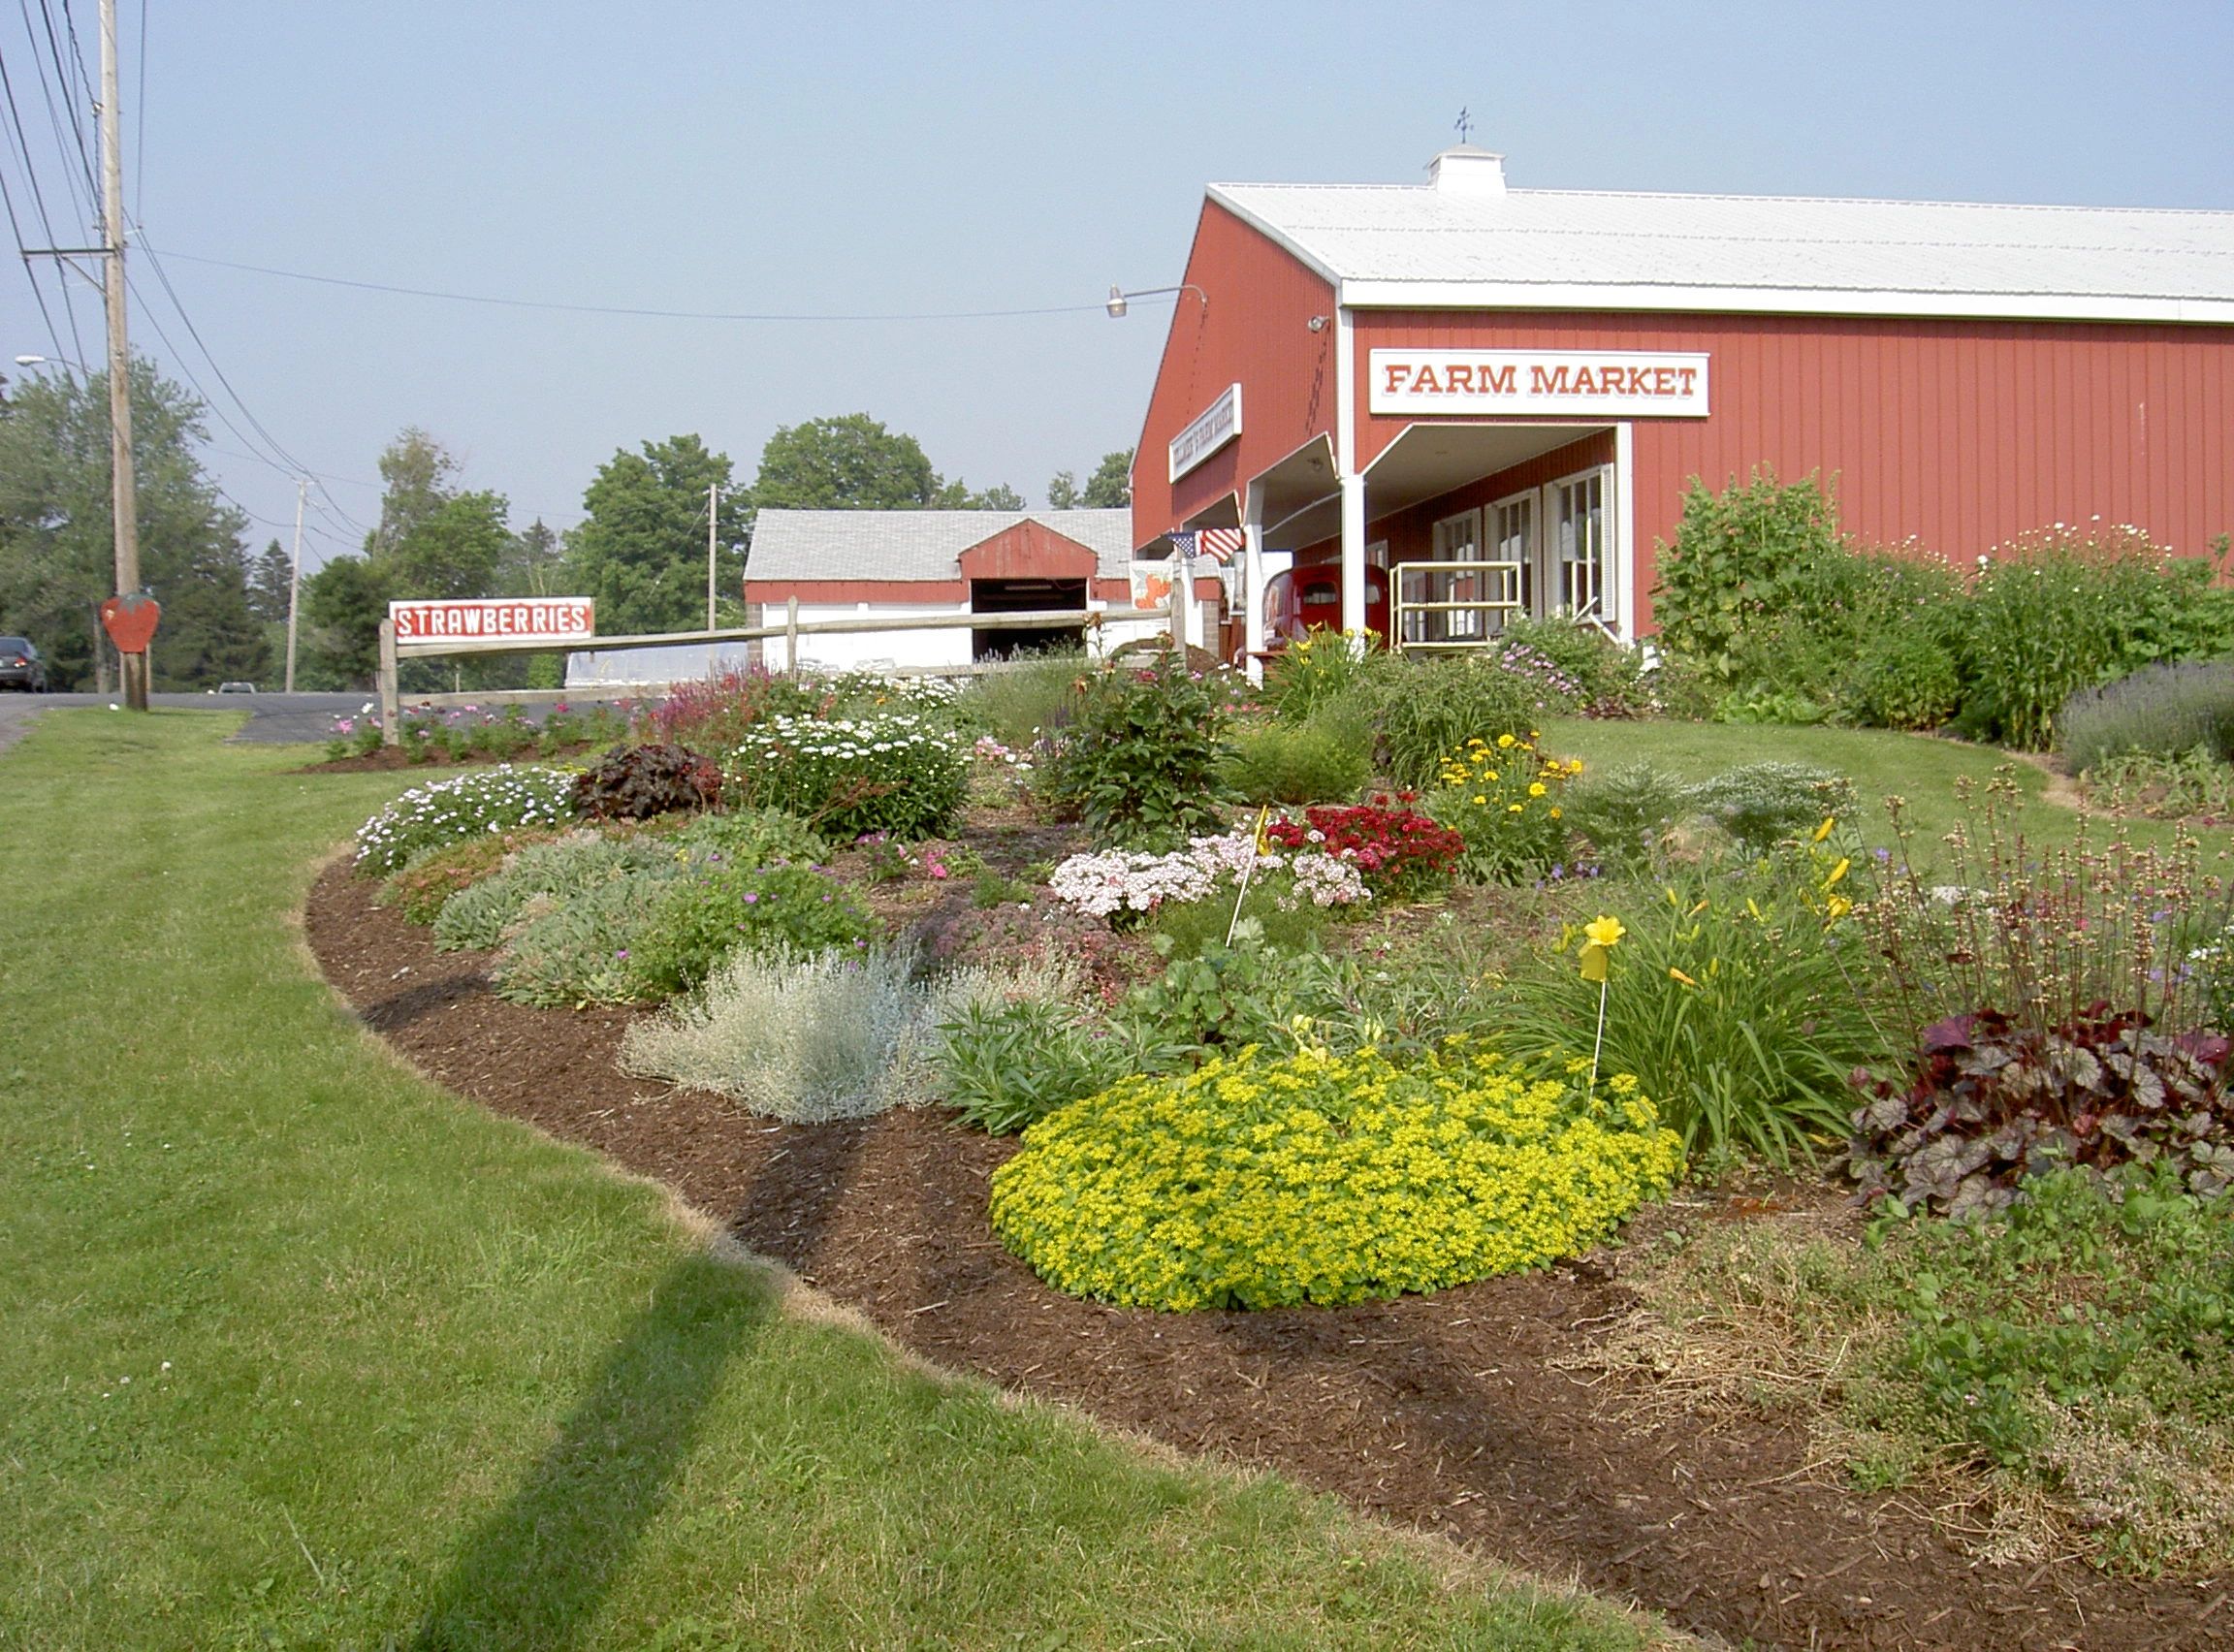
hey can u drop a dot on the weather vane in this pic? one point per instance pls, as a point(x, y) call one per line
point(1464, 123)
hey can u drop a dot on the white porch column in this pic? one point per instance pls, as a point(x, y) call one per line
point(1252, 584)
point(1354, 556)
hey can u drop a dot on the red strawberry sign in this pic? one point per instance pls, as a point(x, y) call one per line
point(131, 622)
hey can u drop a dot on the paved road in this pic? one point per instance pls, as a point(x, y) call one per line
point(279, 717)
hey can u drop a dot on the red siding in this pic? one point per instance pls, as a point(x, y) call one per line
point(1253, 331)
point(1028, 551)
point(1959, 435)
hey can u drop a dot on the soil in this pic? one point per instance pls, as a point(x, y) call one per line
point(1458, 1413)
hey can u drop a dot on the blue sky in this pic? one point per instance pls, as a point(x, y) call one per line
point(849, 159)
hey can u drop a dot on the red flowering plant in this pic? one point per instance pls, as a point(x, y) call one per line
point(1399, 853)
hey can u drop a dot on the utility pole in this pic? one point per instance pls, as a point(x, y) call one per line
point(713, 504)
point(124, 494)
point(295, 579)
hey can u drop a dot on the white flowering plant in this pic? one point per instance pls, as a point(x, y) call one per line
point(898, 773)
point(1125, 885)
point(499, 799)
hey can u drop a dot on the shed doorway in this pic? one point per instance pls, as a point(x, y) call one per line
point(1024, 596)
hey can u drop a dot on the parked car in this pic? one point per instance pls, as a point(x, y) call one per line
point(236, 687)
point(20, 666)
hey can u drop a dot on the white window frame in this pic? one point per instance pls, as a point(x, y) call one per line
point(1612, 553)
point(1455, 539)
point(1531, 555)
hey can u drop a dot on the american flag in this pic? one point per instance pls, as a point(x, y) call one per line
point(1216, 543)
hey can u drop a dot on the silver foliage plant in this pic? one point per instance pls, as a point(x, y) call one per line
point(814, 1039)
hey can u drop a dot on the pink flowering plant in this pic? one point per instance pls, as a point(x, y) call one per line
point(1127, 885)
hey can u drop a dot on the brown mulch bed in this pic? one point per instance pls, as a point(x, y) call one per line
point(1446, 1413)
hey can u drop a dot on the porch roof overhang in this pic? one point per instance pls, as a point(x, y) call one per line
point(1430, 460)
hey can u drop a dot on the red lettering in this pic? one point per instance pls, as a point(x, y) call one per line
point(1499, 381)
point(1686, 374)
point(1637, 382)
point(1396, 374)
point(1556, 381)
point(1458, 376)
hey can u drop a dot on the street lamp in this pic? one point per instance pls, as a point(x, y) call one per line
point(1118, 297)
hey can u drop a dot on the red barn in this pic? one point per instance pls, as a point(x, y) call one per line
point(1525, 380)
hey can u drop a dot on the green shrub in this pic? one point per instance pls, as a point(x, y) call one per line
point(1008, 1064)
point(1140, 754)
point(2067, 610)
point(1905, 679)
point(1740, 999)
point(2194, 782)
point(1021, 700)
point(1506, 799)
point(552, 872)
point(1601, 676)
point(899, 773)
point(636, 782)
point(1322, 670)
point(2163, 711)
point(839, 1035)
point(1260, 1182)
point(419, 891)
point(708, 913)
point(1626, 814)
point(1741, 559)
point(1761, 804)
point(1445, 703)
point(471, 805)
point(750, 837)
point(576, 952)
point(1326, 759)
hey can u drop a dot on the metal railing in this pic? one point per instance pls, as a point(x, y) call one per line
point(1451, 605)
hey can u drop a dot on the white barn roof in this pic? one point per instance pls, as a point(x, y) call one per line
point(915, 545)
point(1468, 242)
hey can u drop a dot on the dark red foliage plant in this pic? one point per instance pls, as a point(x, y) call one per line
point(635, 782)
point(1992, 1103)
point(1398, 851)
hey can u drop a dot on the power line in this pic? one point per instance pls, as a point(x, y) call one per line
point(629, 310)
point(75, 127)
point(292, 464)
point(37, 292)
point(46, 223)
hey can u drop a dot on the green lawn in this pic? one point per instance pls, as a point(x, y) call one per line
point(301, 1351)
point(1921, 770)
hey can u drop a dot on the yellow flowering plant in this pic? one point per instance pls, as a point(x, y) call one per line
point(1502, 797)
point(1741, 998)
point(1262, 1182)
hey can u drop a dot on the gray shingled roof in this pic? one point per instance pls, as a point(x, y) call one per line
point(914, 545)
point(1841, 253)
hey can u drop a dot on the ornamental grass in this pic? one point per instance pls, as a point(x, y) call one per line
point(1263, 1183)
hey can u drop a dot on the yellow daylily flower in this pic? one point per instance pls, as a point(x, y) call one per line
point(1824, 830)
point(1603, 930)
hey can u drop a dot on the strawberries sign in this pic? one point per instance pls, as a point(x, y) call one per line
point(131, 622)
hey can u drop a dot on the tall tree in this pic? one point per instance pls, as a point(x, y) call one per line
point(57, 557)
point(641, 551)
point(533, 562)
point(848, 463)
point(433, 541)
point(1109, 488)
point(269, 582)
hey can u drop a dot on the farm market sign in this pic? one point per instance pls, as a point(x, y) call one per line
point(1623, 383)
point(506, 618)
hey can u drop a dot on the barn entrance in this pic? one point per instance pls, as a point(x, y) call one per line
point(1024, 596)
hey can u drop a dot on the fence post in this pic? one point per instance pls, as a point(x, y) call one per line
point(791, 635)
point(390, 700)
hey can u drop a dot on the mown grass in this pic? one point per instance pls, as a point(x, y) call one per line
point(1916, 768)
point(301, 1351)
